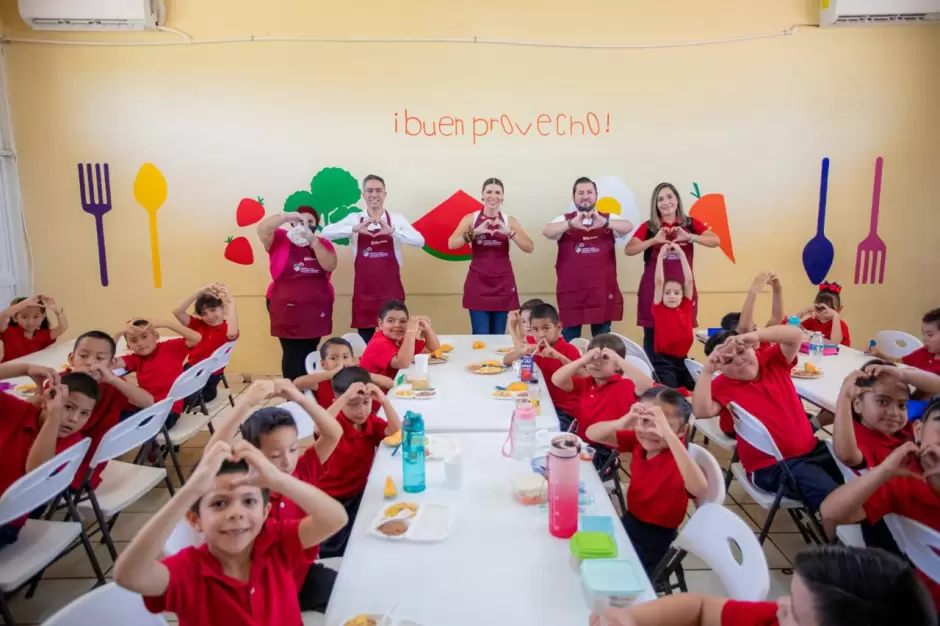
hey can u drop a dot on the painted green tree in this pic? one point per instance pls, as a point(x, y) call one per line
point(333, 193)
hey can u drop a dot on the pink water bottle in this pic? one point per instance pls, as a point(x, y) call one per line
point(563, 478)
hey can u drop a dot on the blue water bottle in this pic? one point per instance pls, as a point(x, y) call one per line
point(412, 453)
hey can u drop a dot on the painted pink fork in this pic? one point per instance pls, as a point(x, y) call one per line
point(872, 251)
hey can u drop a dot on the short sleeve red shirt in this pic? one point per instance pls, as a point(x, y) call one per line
point(656, 493)
point(602, 403)
point(324, 393)
point(772, 399)
point(106, 416)
point(695, 226)
point(673, 334)
point(563, 400)
point(739, 613)
point(378, 355)
point(17, 344)
point(213, 338)
point(814, 325)
point(875, 446)
point(157, 371)
point(200, 593)
point(347, 469)
point(924, 360)
point(309, 469)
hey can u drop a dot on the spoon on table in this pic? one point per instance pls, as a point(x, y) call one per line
point(387, 618)
point(150, 193)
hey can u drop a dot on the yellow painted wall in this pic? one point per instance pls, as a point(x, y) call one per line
point(751, 120)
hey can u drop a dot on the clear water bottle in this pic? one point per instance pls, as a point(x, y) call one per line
point(523, 430)
point(412, 453)
point(816, 345)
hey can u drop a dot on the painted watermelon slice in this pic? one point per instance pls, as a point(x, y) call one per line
point(438, 224)
point(710, 209)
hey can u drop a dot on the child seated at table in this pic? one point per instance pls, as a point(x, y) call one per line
point(348, 470)
point(662, 474)
point(518, 325)
point(243, 573)
point(760, 383)
point(399, 338)
point(32, 432)
point(672, 318)
point(825, 316)
point(216, 322)
point(743, 322)
point(25, 328)
point(907, 483)
point(335, 354)
point(927, 357)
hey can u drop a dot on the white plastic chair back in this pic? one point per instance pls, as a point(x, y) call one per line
point(752, 431)
point(694, 367)
point(42, 484)
point(847, 472)
point(312, 362)
point(713, 474)
point(357, 343)
point(133, 432)
point(641, 364)
point(581, 344)
point(920, 543)
point(897, 343)
point(109, 604)
point(635, 349)
point(305, 426)
point(183, 536)
point(223, 355)
point(193, 379)
point(710, 533)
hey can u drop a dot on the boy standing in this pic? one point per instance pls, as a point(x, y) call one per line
point(398, 340)
point(672, 321)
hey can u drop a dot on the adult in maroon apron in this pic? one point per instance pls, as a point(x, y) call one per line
point(490, 286)
point(586, 286)
point(377, 276)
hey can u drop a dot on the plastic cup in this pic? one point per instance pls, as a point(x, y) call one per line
point(587, 453)
point(421, 363)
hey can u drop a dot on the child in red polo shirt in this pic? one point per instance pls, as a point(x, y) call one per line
point(157, 363)
point(216, 322)
point(825, 316)
point(348, 470)
point(662, 474)
point(398, 340)
point(30, 435)
point(743, 322)
point(243, 573)
point(550, 352)
point(927, 357)
point(25, 328)
point(831, 586)
point(672, 319)
point(335, 354)
point(760, 383)
point(518, 325)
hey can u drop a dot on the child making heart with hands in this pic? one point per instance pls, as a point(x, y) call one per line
point(672, 321)
point(825, 315)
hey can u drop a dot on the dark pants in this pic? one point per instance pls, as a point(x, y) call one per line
point(208, 393)
point(315, 593)
point(603, 454)
point(573, 332)
point(672, 372)
point(650, 541)
point(564, 421)
point(9, 534)
point(171, 419)
point(816, 474)
point(488, 322)
point(366, 333)
point(336, 545)
point(294, 355)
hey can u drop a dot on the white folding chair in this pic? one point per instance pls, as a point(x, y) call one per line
point(639, 363)
point(581, 344)
point(635, 349)
point(222, 356)
point(713, 474)
point(710, 427)
point(110, 604)
point(41, 542)
point(122, 483)
point(849, 534)
point(357, 343)
point(305, 426)
point(183, 536)
point(748, 428)
point(312, 362)
point(188, 424)
point(896, 343)
point(920, 543)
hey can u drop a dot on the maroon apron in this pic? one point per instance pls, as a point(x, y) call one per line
point(672, 270)
point(490, 284)
point(301, 298)
point(377, 277)
point(586, 271)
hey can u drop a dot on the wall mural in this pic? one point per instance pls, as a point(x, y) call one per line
point(95, 193)
point(819, 253)
point(872, 252)
point(438, 224)
point(710, 209)
point(150, 193)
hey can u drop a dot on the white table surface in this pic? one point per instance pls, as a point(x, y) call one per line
point(499, 565)
point(824, 391)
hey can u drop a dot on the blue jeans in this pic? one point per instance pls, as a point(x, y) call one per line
point(573, 332)
point(816, 474)
point(488, 322)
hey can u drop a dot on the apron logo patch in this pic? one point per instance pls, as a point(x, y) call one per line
point(582, 249)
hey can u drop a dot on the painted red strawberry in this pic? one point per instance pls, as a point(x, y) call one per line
point(249, 211)
point(239, 251)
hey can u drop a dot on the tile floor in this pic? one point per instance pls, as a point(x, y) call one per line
point(72, 575)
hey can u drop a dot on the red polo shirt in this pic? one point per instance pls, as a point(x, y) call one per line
point(17, 344)
point(563, 401)
point(772, 399)
point(157, 371)
point(213, 338)
point(656, 493)
point(347, 470)
point(309, 469)
point(106, 416)
point(738, 613)
point(324, 394)
point(921, 359)
point(814, 325)
point(378, 355)
point(602, 403)
point(199, 592)
point(876, 446)
point(673, 336)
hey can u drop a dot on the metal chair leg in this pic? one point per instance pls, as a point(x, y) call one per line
point(104, 525)
point(86, 543)
point(770, 516)
point(5, 611)
point(172, 452)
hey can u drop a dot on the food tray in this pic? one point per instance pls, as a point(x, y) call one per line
point(432, 523)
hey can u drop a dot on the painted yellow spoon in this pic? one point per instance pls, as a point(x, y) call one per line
point(150, 193)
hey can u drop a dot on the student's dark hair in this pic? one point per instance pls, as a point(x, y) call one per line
point(829, 298)
point(207, 301)
point(931, 317)
point(43, 325)
point(492, 181)
point(717, 339)
point(544, 311)
point(265, 421)
point(335, 341)
point(392, 305)
point(140, 323)
point(668, 395)
point(582, 179)
point(96, 334)
point(309, 210)
point(855, 586)
point(609, 340)
point(80, 382)
point(730, 321)
point(932, 407)
point(365, 181)
point(231, 467)
point(349, 375)
point(528, 305)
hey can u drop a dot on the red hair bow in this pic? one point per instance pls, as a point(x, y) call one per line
point(830, 287)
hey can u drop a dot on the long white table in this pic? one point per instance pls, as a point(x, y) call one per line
point(499, 565)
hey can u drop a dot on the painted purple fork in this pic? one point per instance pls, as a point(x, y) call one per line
point(97, 202)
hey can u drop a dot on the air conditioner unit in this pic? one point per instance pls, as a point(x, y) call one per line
point(112, 15)
point(869, 12)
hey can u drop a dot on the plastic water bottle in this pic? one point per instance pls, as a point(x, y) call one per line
point(816, 345)
point(563, 475)
point(523, 430)
point(412, 453)
point(526, 365)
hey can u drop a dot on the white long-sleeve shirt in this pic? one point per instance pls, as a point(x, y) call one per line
point(402, 232)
